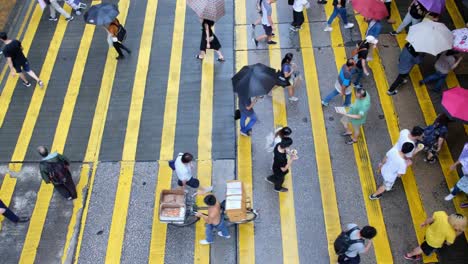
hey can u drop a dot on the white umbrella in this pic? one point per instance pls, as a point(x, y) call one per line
point(430, 37)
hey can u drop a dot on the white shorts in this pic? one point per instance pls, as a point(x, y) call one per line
point(388, 185)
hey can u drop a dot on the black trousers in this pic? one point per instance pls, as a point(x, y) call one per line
point(119, 46)
point(8, 213)
point(298, 19)
point(278, 179)
point(388, 5)
point(343, 259)
point(67, 189)
point(399, 80)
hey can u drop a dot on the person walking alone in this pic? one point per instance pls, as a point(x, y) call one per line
point(6, 212)
point(298, 14)
point(441, 229)
point(339, 8)
point(209, 40)
point(342, 84)
point(18, 63)
point(112, 31)
point(281, 164)
point(356, 115)
point(267, 23)
point(351, 242)
point(54, 169)
point(446, 62)
point(54, 7)
point(408, 58)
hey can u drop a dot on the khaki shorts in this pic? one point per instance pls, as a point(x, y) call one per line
point(345, 121)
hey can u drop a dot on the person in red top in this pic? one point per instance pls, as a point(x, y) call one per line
point(13, 52)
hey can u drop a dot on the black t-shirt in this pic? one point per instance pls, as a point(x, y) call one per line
point(279, 160)
point(417, 10)
point(364, 47)
point(15, 52)
point(341, 2)
point(210, 24)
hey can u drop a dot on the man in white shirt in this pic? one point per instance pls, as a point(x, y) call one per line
point(183, 168)
point(412, 137)
point(298, 15)
point(392, 166)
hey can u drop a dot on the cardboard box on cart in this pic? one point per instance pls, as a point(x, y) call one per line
point(235, 201)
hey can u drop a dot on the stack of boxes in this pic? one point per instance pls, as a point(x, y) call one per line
point(235, 201)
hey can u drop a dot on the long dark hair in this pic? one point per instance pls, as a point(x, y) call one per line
point(287, 58)
point(283, 132)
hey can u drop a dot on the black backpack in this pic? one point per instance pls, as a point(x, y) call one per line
point(121, 31)
point(343, 241)
point(290, 2)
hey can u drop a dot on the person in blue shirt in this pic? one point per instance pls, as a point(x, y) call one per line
point(342, 84)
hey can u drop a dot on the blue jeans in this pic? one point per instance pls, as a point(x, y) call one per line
point(252, 119)
point(338, 11)
point(437, 77)
point(220, 227)
point(358, 72)
point(334, 93)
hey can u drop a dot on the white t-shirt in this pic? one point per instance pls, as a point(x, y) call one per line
point(394, 166)
point(404, 138)
point(299, 5)
point(183, 171)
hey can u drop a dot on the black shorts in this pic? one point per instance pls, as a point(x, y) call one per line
point(268, 30)
point(427, 250)
point(22, 67)
point(194, 183)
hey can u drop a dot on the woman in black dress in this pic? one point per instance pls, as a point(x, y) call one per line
point(209, 40)
point(281, 164)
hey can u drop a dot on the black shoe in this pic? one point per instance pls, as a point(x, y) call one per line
point(53, 18)
point(271, 42)
point(27, 84)
point(69, 19)
point(420, 82)
point(120, 57)
point(268, 180)
point(281, 190)
point(23, 219)
point(128, 51)
point(253, 26)
point(321, 2)
point(375, 197)
point(392, 92)
point(393, 33)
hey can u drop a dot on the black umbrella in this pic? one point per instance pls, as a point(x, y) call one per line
point(102, 14)
point(256, 80)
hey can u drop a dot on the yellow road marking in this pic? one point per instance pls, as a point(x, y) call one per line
point(10, 84)
point(20, 32)
point(6, 192)
point(425, 103)
point(204, 166)
point(122, 197)
point(159, 230)
point(246, 242)
point(286, 200)
point(99, 121)
point(319, 133)
point(44, 196)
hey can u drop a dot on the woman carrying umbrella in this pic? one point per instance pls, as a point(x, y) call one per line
point(416, 13)
point(209, 40)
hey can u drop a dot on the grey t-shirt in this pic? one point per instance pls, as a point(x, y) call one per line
point(445, 63)
point(355, 248)
point(266, 9)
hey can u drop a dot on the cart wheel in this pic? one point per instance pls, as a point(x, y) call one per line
point(189, 220)
point(250, 216)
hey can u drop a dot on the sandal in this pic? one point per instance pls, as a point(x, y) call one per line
point(416, 257)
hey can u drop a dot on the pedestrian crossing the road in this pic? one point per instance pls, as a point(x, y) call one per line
point(121, 121)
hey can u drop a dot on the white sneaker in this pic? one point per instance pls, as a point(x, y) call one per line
point(221, 235)
point(449, 197)
point(208, 189)
point(204, 242)
point(293, 99)
point(349, 25)
point(328, 29)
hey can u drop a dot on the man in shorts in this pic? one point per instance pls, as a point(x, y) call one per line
point(183, 168)
point(16, 60)
point(393, 166)
point(267, 23)
point(413, 137)
point(356, 115)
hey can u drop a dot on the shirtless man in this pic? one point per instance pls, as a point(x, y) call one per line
point(214, 219)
